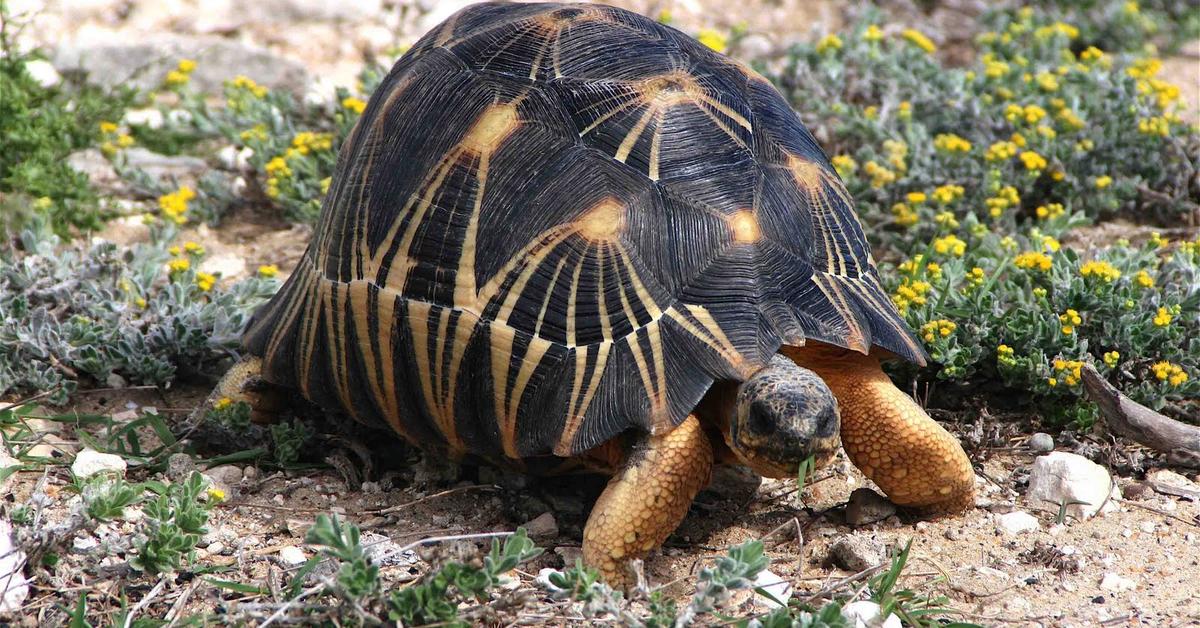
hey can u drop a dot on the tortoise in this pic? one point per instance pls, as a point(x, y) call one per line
point(566, 231)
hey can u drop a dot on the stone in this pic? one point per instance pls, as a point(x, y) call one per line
point(224, 265)
point(1168, 479)
point(865, 614)
point(292, 556)
point(14, 587)
point(90, 462)
point(1017, 522)
point(1117, 583)
point(143, 63)
point(866, 506)
point(150, 118)
point(857, 552)
point(43, 72)
point(234, 158)
point(778, 588)
point(543, 579)
point(228, 475)
point(180, 466)
point(1060, 478)
point(165, 167)
point(385, 552)
point(91, 163)
point(84, 544)
point(542, 527)
point(1041, 443)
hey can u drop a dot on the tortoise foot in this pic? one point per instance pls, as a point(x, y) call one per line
point(647, 499)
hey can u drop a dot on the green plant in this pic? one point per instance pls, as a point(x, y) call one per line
point(40, 126)
point(174, 524)
point(105, 499)
point(972, 182)
point(74, 311)
point(287, 440)
point(357, 577)
point(437, 598)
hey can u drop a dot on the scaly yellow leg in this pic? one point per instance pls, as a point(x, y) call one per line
point(889, 437)
point(647, 499)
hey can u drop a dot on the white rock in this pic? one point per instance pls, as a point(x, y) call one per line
point(865, 614)
point(1117, 584)
point(14, 588)
point(233, 158)
point(778, 588)
point(150, 118)
point(89, 462)
point(543, 579)
point(1060, 478)
point(43, 72)
point(82, 544)
point(1017, 522)
point(224, 265)
point(164, 166)
point(292, 555)
point(1147, 526)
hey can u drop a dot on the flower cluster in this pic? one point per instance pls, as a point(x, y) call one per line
point(181, 75)
point(1172, 374)
point(175, 205)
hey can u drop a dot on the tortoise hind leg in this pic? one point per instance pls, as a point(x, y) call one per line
point(647, 499)
point(244, 383)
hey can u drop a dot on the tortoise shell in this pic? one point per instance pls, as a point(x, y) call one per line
point(555, 223)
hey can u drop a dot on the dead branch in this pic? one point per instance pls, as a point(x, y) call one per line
point(1125, 417)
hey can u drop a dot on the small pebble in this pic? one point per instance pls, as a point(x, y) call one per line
point(292, 555)
point(1041, 443)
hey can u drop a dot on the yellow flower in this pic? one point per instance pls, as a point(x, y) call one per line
point(1163, 317)
point(325, 184)
point(1032, 160)
point(910, 292)
point(934, 270)
point(1046, 132)
point(268, 270)
point(1004, 353)
point(175, 78)
point(904, 215)
point(1158, 125)
point(1001, 151)
point(1039, 292)
point(919, 40)
point(1144, 279)
point(1157, 241)
point(1172, 374)
point(1050, 243)
point(951, 143)
point(307, 141)
point(179, 265)
point(994, 68)
point(1069, 370)
point(904, 112)
point(216, 495)
point(915, 197)
point(1052, 381)
point(1131, 7)
point(1100, 270)
point(880, 176)
point(950, 245)
point(1091, 53)
point(175, 204)
point(1050, 210)
point(257, 132)
point(946, 194)
point(356, 105)
point(187, 66)
point(245, 83)
point(935, 328)
point(222, 403)
point(896, 152)
point(1047, 82)
point(193, 248)
point(946, 219)
point(1069, 320)
point(205, 281)
point(140, 302)
point(871, 112)
point(1111, 358)
point(828, 43)
point(713, 39)
point(175, 251)
point(278, 167)
point(1005, 198)
point(873, 33)
point(1103, 182)
point(108, 127)
point(845, 165)
point(976, 276)
point(1033, 260)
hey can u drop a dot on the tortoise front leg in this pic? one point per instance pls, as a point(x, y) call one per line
point(646, 500)
point(889, 437)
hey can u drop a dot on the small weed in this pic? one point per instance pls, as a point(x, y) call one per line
point(174, 524)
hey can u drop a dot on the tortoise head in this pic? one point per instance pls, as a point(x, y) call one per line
point(784, 415)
